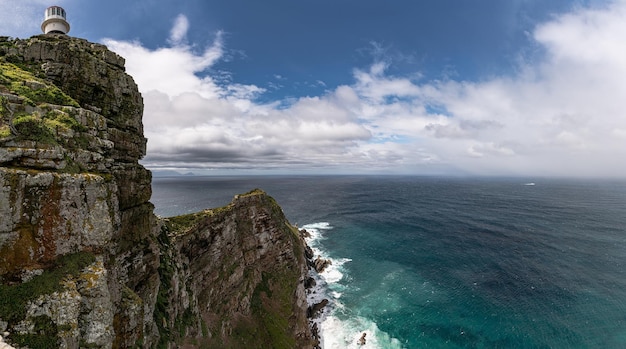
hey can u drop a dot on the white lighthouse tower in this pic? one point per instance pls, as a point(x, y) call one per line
point(55, 21)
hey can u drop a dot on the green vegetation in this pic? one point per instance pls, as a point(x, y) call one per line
point(35, 90)
point(45, 129)
point(272, 300)
point(72, 166)
point(179, 224)
point(272, 306)
point(33, 127)
point(62, 120)
point(275, 312)
point(5, 131)
point(45, 336)
point(253, 192)
point(14, 298)
point(162, 315)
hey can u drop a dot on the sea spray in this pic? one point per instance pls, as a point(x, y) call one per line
point(338, 327)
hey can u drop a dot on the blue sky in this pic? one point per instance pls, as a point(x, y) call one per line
point(520, 87)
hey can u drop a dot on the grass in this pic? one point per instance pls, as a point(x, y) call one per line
point(272, 300)
point(33, 127)
point(45, 336)
point(268, 327)
point(14, 298)
point(179, 224)
point(162, 316)
point(5, 131)
point(48, 128)
point(35, 90)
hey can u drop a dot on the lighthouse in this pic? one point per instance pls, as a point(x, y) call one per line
point(55, 21)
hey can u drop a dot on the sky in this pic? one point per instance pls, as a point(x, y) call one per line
point(432, 87)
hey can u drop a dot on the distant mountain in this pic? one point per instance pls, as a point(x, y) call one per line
point(170, 173)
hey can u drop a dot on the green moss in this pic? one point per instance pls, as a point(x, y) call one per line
point(205, 328)
point(298, 244)
point(182, 222)
point(162, 314)
point(5, 131)
point(166, 272)
point(130, 296)
point(72, 166)
point(14, 298)
point(44, 336)
point(268, 327)
point(49, 128)
point(33, 127)
point(253, 192)
point(185, 321)
point(272, 304)
point(36, 91)
point(58, 119)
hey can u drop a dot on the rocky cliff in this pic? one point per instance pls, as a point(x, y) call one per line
point(84, 262)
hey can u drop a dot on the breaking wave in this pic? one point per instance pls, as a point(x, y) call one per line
point(338, 326)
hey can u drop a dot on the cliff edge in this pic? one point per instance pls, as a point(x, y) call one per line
point(84, 262)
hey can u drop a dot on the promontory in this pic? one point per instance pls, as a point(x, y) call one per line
point(84, 261)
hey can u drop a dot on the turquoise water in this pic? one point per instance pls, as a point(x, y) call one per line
point(452, 263)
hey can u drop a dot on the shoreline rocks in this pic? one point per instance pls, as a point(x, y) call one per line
point(315, 309)
point(320, 264)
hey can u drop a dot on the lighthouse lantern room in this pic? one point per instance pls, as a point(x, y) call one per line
point(55, 21)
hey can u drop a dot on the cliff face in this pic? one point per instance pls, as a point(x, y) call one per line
point(236, 275)
point(83, 259)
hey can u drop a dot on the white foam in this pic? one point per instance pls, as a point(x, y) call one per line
point(335, 331)
point(334, 272)
point(320, 225)
point(315, 232)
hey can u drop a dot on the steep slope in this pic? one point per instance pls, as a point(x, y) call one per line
point(254, 262)
point(84, 262)
point(74, 197)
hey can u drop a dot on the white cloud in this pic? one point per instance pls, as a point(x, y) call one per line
point(179, 30)
point(562, 114)
point(22, 18)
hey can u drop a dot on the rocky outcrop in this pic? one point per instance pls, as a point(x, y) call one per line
point(254, 261)
point(71, 137)
point(4, 345)
point(320, 264)
point(314, 309)
point(84, 262)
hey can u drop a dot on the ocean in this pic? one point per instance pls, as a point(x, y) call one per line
point(424, 262)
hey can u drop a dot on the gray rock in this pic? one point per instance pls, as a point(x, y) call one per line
point(81, 189)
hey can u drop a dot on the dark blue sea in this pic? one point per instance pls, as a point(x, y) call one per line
point(422, 262)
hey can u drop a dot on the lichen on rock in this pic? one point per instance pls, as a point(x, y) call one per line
point(252, 258)
point(84, 262)
point(70, 141)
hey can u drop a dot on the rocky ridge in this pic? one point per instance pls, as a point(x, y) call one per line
point(84, 262)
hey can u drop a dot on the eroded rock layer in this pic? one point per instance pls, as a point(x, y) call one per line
point(84, 262)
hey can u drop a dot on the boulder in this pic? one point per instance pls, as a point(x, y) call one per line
point(320, 264)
